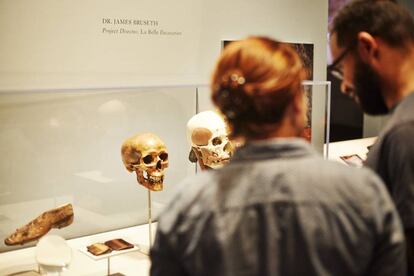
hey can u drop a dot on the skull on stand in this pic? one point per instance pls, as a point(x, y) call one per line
point(147, 156)
point(208, 135)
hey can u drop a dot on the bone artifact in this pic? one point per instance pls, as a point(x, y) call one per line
point(207, 133)
point(147, 156)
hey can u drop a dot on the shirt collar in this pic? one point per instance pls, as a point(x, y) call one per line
point(407, 102)
point(273, 148)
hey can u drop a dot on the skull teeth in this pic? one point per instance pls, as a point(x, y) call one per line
point(153, 179)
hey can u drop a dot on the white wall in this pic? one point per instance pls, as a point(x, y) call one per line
point(52, 137)
point(61, 44)
point(286, 20)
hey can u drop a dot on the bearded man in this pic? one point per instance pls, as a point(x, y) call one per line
point(372, 42)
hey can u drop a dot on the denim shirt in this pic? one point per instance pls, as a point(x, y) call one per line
point(279, 209)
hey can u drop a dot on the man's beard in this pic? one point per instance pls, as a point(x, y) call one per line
point(368, 90)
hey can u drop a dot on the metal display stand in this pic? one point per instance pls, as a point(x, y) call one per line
point(137, 247)
point(108, 270)
point(149, 219)
point(108, 257)
point(142, 248)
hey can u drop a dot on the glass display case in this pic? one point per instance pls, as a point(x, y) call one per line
point(64, 146)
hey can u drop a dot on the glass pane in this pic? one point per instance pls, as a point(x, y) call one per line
point(64, 147)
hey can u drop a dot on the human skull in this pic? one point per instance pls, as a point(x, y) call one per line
point(208, 135)
point(146, 154)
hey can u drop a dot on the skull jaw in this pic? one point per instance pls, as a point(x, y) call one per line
point(155, 186)
point(208, 162)
point(216, 164)
point(199, 158)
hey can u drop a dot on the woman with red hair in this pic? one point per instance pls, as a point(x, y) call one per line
point(278, 208)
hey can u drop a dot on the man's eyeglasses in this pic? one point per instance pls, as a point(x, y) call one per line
point(334, 69)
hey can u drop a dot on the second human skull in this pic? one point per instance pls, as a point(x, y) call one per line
point(147, 155)
point(207, 133)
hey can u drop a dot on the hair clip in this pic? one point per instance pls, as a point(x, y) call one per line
point(230, 114)
point(239, 80)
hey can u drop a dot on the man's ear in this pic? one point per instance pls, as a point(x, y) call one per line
point(367, 47)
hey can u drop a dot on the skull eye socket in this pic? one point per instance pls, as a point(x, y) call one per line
point(164, 156)
point(216, 141)
point(228, 148)
point(148, 159)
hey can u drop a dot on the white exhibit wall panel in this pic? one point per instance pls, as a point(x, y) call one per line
point(107, 43)
point(98, 43)
point(67, 99)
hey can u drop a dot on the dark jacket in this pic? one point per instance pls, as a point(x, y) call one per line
point(280, 209)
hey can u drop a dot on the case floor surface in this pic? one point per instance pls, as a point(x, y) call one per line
point(23, 261)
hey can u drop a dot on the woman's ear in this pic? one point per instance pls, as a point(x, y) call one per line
point(299, 109)
point(299, 102)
